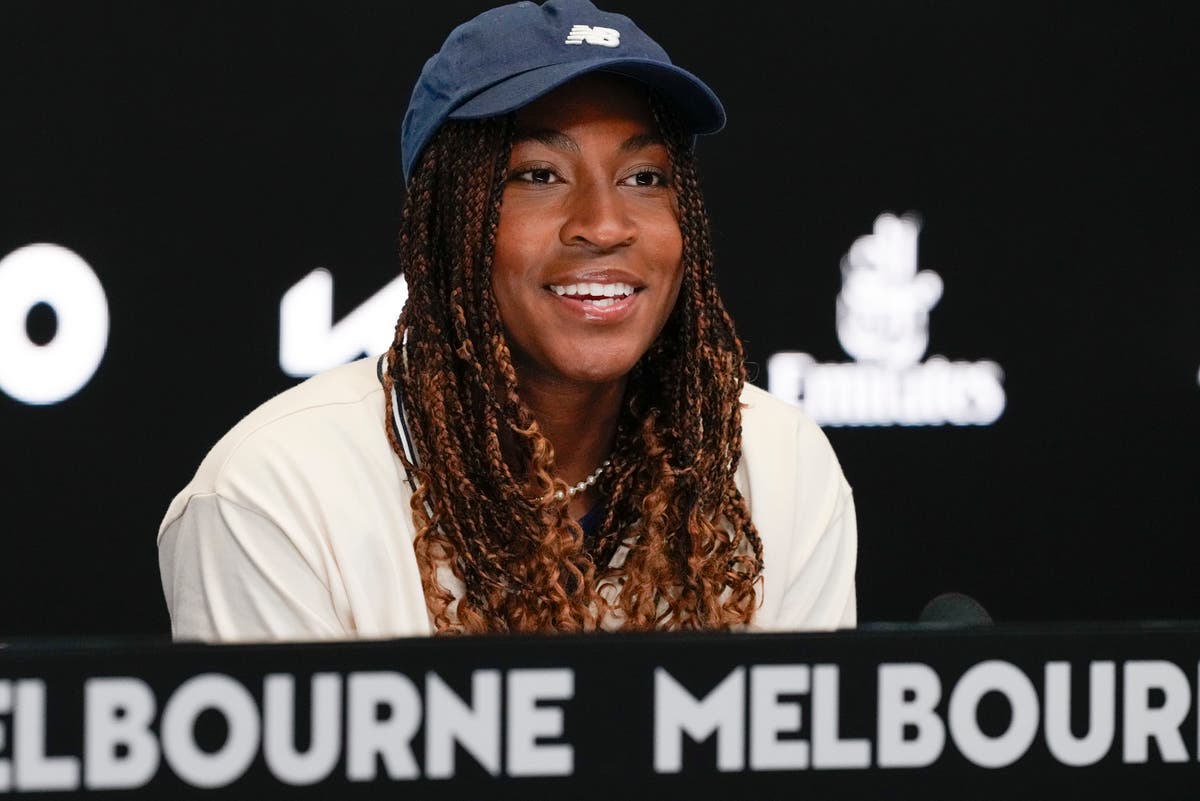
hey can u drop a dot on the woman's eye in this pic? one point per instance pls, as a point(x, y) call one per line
point(646, 178)
point(538, 175)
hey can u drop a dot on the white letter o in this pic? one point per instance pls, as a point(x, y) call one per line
point(58, 277)
point(191, 763)
point(1009, 681)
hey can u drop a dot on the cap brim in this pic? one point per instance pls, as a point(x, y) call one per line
point(702, 111)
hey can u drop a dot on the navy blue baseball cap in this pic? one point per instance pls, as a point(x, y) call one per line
point(509, 56)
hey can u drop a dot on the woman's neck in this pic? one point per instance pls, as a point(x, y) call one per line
point(580, 420)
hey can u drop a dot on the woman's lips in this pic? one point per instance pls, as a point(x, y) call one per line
point(594, 289)
point(594, 307)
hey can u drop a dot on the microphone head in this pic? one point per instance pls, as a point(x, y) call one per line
point(955, 610)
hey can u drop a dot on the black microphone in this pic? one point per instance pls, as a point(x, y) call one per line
point(953, 610)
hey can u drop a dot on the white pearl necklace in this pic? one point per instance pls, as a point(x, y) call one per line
point(583, 485)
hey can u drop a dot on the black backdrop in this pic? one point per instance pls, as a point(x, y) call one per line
point(204, 157)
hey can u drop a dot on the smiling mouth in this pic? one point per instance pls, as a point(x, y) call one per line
point(598, 295)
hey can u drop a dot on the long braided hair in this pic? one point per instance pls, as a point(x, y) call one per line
point(497, 549)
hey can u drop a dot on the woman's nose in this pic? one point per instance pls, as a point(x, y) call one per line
point(597, 217)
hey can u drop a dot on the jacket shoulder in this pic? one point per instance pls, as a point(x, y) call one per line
point(766, 418)
point(297, 426)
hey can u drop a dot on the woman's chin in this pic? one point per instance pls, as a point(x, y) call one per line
point(577, 360)
point(587, 369)
point(595, 373)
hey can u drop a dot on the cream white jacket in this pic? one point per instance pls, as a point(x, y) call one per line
point(297, 524)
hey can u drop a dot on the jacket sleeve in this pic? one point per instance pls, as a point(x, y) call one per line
point(820, 592)
point(231, 574)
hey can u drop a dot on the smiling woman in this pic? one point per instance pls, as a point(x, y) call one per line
point(588, 249)
point(560, 437)
point(587, 266)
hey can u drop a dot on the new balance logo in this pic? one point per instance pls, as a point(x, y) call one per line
point(605, 37)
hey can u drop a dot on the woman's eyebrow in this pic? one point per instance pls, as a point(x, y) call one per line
point(639, 141)
point(560, 141)
point(550, 138)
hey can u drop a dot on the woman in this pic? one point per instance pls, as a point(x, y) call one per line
point(560, 438)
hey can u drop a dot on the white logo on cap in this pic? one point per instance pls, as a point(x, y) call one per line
point(605, 37)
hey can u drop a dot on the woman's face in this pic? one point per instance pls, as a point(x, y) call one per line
point(588, 250)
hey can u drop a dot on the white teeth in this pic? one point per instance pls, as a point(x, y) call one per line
point(615, 290)
point(600, 304)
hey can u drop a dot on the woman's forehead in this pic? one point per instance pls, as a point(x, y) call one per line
point(594, 98)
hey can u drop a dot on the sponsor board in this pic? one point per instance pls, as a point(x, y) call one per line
point(883, 324)
point(1088, 710)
